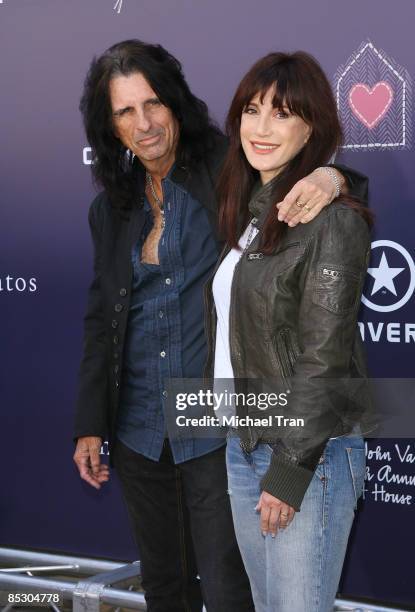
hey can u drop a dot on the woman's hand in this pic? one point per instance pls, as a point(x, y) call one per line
point(275, 514)
point(309, 196)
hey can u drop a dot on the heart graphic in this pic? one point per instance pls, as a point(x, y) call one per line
point(370, 105)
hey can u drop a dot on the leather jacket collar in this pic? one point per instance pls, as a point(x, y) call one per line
point(259, 203)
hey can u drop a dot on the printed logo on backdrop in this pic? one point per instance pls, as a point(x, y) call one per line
point(374, 98)
point(392, 275)
point(390, 285)
point(390, 474)
point(87, 159)
point(19, 284)
point(118, 6)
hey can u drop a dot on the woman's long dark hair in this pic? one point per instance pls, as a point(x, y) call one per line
point(301, 86)
point(113, 167)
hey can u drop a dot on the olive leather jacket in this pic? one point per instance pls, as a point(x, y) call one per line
point(293, 325)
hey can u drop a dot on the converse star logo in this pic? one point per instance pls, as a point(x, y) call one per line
point(391, 283)
point(384, 276)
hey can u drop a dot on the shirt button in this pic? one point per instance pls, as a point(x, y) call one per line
point(163, 354)
point(118, 307)
point(114, 323)
point(161, 314)
point(116, 368)
point(116, 355)
point(254, 220)
point(168, 281)
point(164, 393)
point(115, 339)
point(123, 292)
point(117, 383)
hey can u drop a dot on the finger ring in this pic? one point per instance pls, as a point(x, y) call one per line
point(297, 203)
point(307, 207)
point(284, 515)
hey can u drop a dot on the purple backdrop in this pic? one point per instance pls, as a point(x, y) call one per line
point(45, 188)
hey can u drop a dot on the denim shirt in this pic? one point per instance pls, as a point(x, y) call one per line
point(165, 334)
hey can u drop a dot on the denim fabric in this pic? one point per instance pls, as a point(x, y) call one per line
point(165, 334)
point(298, 570)
point(182, 524)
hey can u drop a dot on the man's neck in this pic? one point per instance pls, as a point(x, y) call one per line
point(158, 170)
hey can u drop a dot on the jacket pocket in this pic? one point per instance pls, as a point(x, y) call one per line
point(336, 289)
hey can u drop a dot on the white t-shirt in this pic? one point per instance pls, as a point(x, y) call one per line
point(222, 284)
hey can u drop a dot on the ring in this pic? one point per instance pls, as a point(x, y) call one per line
point(284, 515)
point(297, 203)
point(307, 207)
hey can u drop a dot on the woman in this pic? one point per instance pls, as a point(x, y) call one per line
point(285, 311)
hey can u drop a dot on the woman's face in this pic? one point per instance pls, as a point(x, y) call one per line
point(271, 138)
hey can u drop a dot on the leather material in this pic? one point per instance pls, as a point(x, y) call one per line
point(293, 326)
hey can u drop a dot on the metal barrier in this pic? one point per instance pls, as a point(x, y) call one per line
point(94, 582)
point(86, 592)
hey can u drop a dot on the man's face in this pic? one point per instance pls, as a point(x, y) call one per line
point(142, 123)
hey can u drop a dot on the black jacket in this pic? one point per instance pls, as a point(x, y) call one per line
point(293, 325)
point(113, 233)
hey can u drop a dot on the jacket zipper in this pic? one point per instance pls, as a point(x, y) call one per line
point(285, 355)
point(291, 352)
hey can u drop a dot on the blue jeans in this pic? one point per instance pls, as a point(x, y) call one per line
point(298, 570)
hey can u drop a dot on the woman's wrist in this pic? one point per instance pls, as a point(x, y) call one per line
point(337, 179)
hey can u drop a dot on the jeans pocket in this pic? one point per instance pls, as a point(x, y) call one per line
point(357, 464)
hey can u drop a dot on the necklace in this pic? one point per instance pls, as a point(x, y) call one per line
point(149, 181)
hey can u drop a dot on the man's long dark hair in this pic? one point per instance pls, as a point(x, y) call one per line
point(301, 85)
point(114, 168)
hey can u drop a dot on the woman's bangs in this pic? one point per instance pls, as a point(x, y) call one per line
point(283, 98)
point(257, 86)
point(287, 96)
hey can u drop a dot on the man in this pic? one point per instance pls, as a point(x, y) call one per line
point(157, 155)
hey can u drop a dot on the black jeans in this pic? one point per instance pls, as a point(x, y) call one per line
point(183, 528)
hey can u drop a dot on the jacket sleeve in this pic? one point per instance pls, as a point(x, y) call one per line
point(331, 283)
point(358, 183)
point(92, 401)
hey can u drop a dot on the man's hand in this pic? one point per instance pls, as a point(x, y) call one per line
point(88, 462)
point(275, 514)
point(309, 196)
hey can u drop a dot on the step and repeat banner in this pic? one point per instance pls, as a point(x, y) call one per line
point(366, 48)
